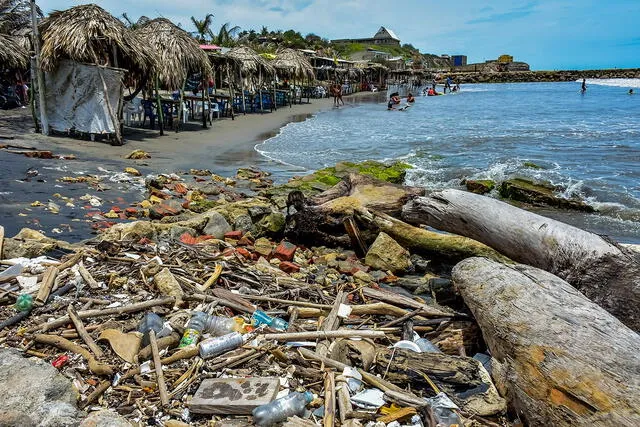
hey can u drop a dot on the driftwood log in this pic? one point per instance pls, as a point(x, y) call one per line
point(605, 272)
point(559, 358)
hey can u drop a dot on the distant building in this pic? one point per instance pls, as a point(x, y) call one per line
point(370, 54)
point(384, 37)
point(458, 60)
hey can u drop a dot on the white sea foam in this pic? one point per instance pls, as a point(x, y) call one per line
point(630, 83)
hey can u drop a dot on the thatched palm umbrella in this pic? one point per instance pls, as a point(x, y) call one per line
point(294, 64)
point(89, 34)
point(12, 53)
point(250, 63)
point(177, 53)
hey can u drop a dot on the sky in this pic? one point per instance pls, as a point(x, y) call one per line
point(549, 35)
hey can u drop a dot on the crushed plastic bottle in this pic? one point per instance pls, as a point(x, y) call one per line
point(24, 302)
point(150, 322)
point(281, 409)
point(259, 317)
point(213, 347)
point(443, 410)
point(220, 325)
point(194, 329)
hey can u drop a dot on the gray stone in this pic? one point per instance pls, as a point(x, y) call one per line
point(217, 225)
point(32, 392)
point(233, 396)
point(259, 211)
point(105, 418)
point(386, 254)
point(243, 223)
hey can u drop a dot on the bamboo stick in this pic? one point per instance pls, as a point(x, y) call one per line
point(88, 277)
point(329, 400)
point(64, 344)
point(82, 332)
point(312, 335)
point(47, 284)
point(162, 386)
point(344, 399)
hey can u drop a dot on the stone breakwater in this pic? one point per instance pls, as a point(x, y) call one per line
point(544, 76)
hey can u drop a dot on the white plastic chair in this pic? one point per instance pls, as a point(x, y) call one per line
point(133, 110)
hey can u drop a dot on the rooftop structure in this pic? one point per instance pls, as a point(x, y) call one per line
point(384, 36)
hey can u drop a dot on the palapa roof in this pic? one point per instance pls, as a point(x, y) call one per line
point(12, 53)
point(293, 63)
point(177, 53)
point(249, 61)
point(88, 33)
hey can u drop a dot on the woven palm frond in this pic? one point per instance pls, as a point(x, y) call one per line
point(12, 53)
point(293, 63)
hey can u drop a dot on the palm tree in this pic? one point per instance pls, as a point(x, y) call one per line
point(203, 27)
point(16, 15)
point(133, 25)
point(226, 36)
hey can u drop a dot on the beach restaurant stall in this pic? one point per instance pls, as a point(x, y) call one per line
point(251, 69)
point(293, 64)
point(86, 55)
point(178, 55)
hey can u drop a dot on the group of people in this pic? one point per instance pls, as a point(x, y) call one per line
point(583, 87)
point(394, 99)
point(13, 95)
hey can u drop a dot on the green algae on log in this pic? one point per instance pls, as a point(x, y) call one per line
point(540, 194)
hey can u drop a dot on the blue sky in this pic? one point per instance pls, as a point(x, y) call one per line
point(561, 34)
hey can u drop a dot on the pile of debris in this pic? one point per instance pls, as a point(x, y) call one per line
point(236, 315)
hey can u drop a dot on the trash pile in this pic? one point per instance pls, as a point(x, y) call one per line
point(216, 319)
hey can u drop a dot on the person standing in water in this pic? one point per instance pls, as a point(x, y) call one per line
point(584, 86)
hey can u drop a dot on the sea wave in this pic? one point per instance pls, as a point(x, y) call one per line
point(630, 83)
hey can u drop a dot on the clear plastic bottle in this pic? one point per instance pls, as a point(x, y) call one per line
point(194, 329)
point(425, 345)
point(213, 347)
point(259, 317)
point(443, 410)
point(150, 322)
point(220, 325)
point(281, 409)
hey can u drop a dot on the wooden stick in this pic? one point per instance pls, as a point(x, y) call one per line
point(162, 387)
point(212, 279)
point(64, 344)
point(95, 394)
point(226, 303)
point(287, 302)
point(47, 284)
point(356, 238)
point(71, 261)
point(1, 240)
point(88, 277)
point(331, 323)
point(101, 312)
point(401, 300)
point(329, 400)
point(77, 322)
point(186, 353)
point(312, 335)
point(403, 318)
point(344, 399)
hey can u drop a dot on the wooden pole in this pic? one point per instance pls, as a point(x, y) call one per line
point(1, 240)
point(159, 102)
point(180, 106)
point(231, 92)
point(112, 113)
point(44, 121)
point(329, 400)
point(162, 387)
point(82, 332)
point(260, 90)
point(244, 106)
point(275, 103)
point(312, 335)
point(47, 284)
point(204, 90)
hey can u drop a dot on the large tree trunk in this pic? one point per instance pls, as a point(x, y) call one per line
point(605, 272)
point(561, 359)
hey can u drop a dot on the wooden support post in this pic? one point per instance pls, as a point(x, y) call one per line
point(244, 106)
point(159, 103)
point(44, 121)
point(112, 112)
point(47, 284)
point(162, 387)
point(231, 93)
point(275, 97)
point(205, 83)
point(180, 107)
point(82, 332)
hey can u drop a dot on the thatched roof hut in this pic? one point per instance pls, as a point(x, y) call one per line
point(177, 53)
point(89, 34)
point(12, 53)
point(293, 63)
point(249, 61)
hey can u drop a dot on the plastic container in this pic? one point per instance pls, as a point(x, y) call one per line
point(219, 325)
point(24, 302)
point(281, 409)
point(150, 322)
point(259, 317)
point(443, 410)
point(194, 329)
point(213, 347)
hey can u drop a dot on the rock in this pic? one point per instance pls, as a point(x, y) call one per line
point(105, 418)
point(243, 223)
point(284, 251)
point(420, 264)
point(540, 194)
point(30, 243)
point(363, 277)
point(233, 396)
point(138, 154)
point(217, 226)
point(271, 224)
point(386, 254)
point(132, 171)
point(480, 186)
point(289, 267)
point(169, 207)
point(34, 393)
point(210, 189)
point(263, 246)
point(259, 211)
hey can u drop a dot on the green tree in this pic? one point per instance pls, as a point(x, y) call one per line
point(226, 35)
point(203, 27)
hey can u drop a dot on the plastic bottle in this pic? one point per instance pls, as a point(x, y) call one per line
point(443, 410)
point(281, 409)
point(219, 325)
point(259, 317)
point(24, 302)
point(194, 329)
point(425, 345)
point(150, 322)
point(213, 347)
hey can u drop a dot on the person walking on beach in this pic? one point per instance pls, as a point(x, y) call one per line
point(584, 86)
point(336, 92)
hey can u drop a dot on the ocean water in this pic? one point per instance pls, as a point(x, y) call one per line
point(589, 143)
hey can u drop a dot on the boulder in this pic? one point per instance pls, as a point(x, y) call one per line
point(480, 186)
point(271, 224)
point(105, 418)
point(169, 207)
point(32, 392)
point(30, 243)
point(217, 225)
point(540, 194)
point(386, 254)
point(243, 223)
